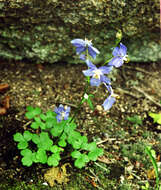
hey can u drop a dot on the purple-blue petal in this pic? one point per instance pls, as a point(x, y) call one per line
point(95, 82)
point(105, 69)
point(90, 64)
point(88, 72)
point(123, 49)
point(116, 51)
point(78, 42)
point(80, 49)
point(116, 61)
point(105, 79)
point(82, 57)
point(108, 103)
point(92, 51)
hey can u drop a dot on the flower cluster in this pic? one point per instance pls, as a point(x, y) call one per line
point(86, 51)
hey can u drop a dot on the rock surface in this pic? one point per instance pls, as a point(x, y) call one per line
point(42, 30)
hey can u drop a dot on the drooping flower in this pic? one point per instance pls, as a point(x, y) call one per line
point(62, 112)
point(110, 100)
point(120, 55)
point(97, 74)
point(108, 103)
point(83, 45)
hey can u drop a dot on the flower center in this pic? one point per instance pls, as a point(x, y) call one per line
point(125, 58)
point(88, 42)
point(97, 74)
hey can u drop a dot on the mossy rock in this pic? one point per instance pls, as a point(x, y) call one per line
point(41, 31)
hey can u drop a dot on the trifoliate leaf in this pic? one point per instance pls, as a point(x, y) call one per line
point(75, 154)
point(22, 145)
point(35, 125)
point(156, 117)
point(41, 156)
point(56, 131)
point(52, 161)
point(27, 135)
point(27, 152)
point(26, 161)
point(42, 125)
point(18, 137)
point(81, 161)
point(93, 155)
point(29, 115)
point(37, 119)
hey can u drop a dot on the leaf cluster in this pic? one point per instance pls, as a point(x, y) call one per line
point(52, 139)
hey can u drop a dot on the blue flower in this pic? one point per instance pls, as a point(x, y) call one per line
point(97, 74)
point(83, 45)
point(108, 103)
point(120, 56)
point(110, 100)
point(62, 112)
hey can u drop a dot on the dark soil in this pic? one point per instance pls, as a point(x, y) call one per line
point(47, 85)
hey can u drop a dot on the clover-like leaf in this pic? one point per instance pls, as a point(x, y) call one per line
point(62, 143)
point(53, 160)
point(27, 135)
point(41, 156)
point(32, 112)
point(27, 160)
point(35, 139)
point(45, 141)
point(55, 149)
point(35, 125)
point(22, 145)
point(75, 154)
point(81, 161)
point(93, 155)
point(18, 137)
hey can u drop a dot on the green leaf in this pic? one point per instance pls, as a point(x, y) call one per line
point(41, 156)
point(32, 112)
point(81, 161)
point(27, 152)
point(62, 143)
point(72, 136)
point(30, 108)
point(75, 154)
point(50, 114)
point(56, 131)
point(135, 120)
point(42, 125)
point(18, 137)
point(22, 145)
point(50, 122)
point(35, 125)
point(156, 117)
point(37, 119)
point(35, 139)
point(55, 149)
point(27, 135)
point(43, 117)
point(26, 161)
point(29, 115)
point(36, 111)
point(45, 141)
point(93, 155)
point(52, 160)
point(92, 146)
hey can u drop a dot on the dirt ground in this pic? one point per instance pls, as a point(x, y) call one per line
point(124, 165)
